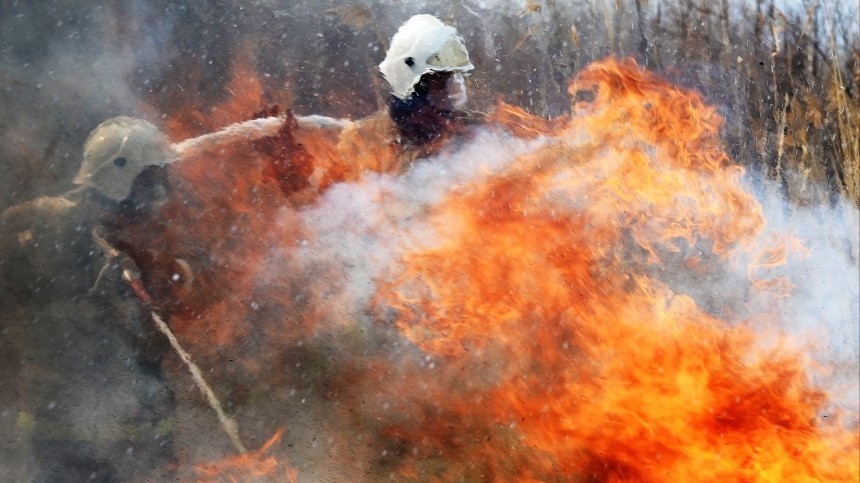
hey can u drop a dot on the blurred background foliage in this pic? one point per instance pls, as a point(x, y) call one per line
point(784, 74)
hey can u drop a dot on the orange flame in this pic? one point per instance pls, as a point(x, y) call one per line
point(252, 466)
point(244, 97)
point(199, 247)
point(608, 375)
point(561, 350)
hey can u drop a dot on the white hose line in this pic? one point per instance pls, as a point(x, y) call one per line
point(226, 421)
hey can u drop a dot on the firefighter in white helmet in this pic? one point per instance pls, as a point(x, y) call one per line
point(426, 68)
point(78, 331)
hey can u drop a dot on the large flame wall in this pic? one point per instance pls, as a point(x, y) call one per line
point(601, 300)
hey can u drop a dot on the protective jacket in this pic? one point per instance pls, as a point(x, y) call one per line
point(83, 363)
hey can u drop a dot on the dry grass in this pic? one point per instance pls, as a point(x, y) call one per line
point(846, 111)
point(787, 80)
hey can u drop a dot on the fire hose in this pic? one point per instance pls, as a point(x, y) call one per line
point(242, 131)
point(253, 129)
point(228, 423)
point(133, 281)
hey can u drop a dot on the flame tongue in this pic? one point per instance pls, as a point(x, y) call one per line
point(591, 214)
point(554, 267)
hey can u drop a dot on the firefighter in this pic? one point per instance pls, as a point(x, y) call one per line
point(425, 68)
point(90, 400)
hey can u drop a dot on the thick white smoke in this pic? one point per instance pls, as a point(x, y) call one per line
point(355, 235)
point(354, 238)
point(823, 308)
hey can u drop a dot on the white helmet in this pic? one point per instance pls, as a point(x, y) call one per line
point(117, 151)
point(423, 44)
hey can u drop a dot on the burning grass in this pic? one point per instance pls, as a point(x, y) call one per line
point(608, 373)
point(509, 313)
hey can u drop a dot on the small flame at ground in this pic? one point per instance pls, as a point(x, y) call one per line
point(253, 466)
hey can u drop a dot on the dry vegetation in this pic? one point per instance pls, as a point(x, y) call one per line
point(785, 78)
point(784, 72)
